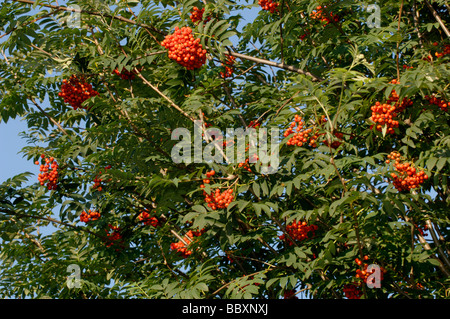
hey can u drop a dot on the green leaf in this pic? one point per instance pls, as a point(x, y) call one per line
point(199, 208)
point(440, 164)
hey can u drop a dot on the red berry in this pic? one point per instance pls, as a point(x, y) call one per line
point(181, 44)
point(299, 231)
point(75, 91)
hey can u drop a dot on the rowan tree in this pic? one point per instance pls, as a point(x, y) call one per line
point(364, 158)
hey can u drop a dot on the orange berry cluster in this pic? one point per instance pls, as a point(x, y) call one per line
point(114, 237)
point(383, 114)
point(301, 136)
point(245, 164)
point(269, 5)
point(318, 14)
point(394, 97)
point(364, 274)
point(125, 74)
point(254, 124)
point(75, 91)
point(352, 292)
point(148, 220)
point(197, 15)
point(184, 49)
point(181, 248)
point(47, 175)
point(421, 230)
point(228, 67)
point(408, 177)
point(90, 215)
point(443, 105)
point(299, 231)
point(98, 181)
point(335, 144)
point(217, 199)
point(444, 52)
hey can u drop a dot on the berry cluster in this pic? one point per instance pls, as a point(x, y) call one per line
point(98, 181)
point(364, 273)
point(228, 67)
point(90, 215)
point(75, 91)
point(269, 5)
point(443, 105)
point(114, 237)
point(197, 15)
point(48, 172)
point(394, 97)
point(318, 14)
point(217, 199)
point(289, 294)
point(301, 136)
point(299, 231)
point(383, 114)
point(125, 74)
point(421, 230)
point(444, 52)
point(408, 177)
point(352, 292)
point(180, 246)
point(148, 220)
point(245, 164)
point(184, 49)
point(254, 124)
point(335, 144)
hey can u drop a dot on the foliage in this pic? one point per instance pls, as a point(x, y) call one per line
point(330, 72)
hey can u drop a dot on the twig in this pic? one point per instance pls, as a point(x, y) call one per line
point(116, 17)
point(10, 212)
point(275, 64)
point(416, 22)
point(172, 104)
point(438, 18)
point(49, 117)
point(398, 42)
point(436, 242)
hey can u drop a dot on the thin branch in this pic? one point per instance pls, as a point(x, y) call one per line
point(398, 42)
point(49, 117)
point(30, 22)
point(116, 17)
point(416, 23)
point(427, 246)
point(275, 64)
point(10, 212)
point(172, 104)
point(436, 242)
point(438, 18)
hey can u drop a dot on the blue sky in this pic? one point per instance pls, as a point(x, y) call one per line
point(11, 162)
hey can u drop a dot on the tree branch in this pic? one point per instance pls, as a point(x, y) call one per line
point(438, 18)
point(116, 17)
point(49, 117)
point(10, 212)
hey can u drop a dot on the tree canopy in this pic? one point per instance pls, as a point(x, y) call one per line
point(358, 92)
